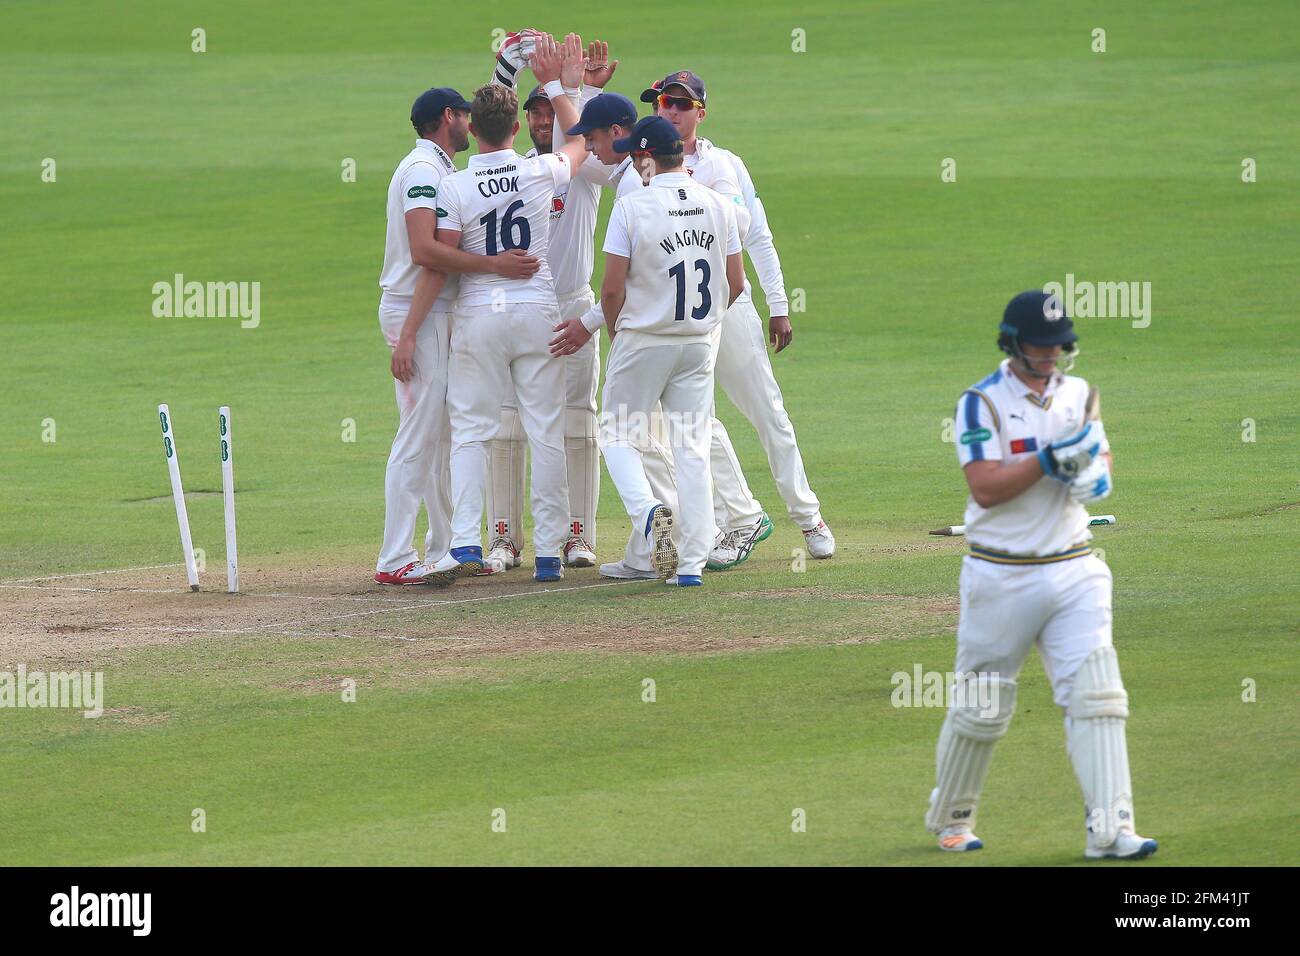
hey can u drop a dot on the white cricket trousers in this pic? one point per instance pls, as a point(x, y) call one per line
point(490, 351)
point(1064, 608)
point(418, 462)
point(582, 368)
point(657, 459)
point(744, 371)
point(680, 378)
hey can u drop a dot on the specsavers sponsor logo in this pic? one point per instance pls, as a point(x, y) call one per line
point(976, 435)
point(428, 192)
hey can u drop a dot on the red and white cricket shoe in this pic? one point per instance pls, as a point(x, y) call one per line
point(578, 553)
point(413, 573)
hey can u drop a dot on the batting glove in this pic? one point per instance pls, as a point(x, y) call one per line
point(1066, 459)
point(1092, 484)
point(513, 57)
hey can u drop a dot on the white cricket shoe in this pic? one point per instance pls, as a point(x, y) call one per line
point(1127, 846)
point(958, 838)
point(623, 572)
point(726, 551)
point(503, 553)
point(659, 532)
point(820, 541)
point(578, 554)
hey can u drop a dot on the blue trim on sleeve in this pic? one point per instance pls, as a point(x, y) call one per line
point(972, 424)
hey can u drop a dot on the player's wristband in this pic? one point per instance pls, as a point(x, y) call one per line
point(554, 88)
point(593, 318)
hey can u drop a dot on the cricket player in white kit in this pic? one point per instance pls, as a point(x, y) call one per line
point(606, 121)
point(500, 328)
point(571, 258)
point(744, 370)
point(672, 267)
point(1034, 454)
point(418, 462)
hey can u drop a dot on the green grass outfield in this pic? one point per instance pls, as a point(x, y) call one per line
point(225, 166)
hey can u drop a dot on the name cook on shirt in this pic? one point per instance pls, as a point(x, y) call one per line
point(502, 184)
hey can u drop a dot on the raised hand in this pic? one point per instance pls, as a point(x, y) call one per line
point(513, 57)
point(598, 69)
point(546, 60)
point(573, 59)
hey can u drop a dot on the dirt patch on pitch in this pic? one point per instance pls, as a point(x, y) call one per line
point(77, 619)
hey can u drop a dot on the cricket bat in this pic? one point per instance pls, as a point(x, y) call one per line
point(1092, 408)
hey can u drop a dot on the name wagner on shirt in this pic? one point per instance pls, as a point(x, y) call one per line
point(687, 237)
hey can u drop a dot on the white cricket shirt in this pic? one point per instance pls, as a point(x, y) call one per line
point(572, 253)
point(676, 235)
point(503, 201)
point(757, 238)
point(1002, 419)
point(626, 181)
point(415, 185)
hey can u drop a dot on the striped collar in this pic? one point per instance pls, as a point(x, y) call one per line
point(1043, 401)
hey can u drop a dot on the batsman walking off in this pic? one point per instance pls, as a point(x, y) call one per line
point(1034, 453)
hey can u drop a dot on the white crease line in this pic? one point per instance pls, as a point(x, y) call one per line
point(85, 574)
point(59, 587)
point(258, 630)
point(269, 594)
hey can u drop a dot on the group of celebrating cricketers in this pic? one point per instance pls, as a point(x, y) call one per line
point(494, 329)
point(488, 307)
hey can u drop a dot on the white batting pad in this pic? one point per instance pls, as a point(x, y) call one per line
point(583, 456)
point(505, 503)
point(965, 750)
point(1096, 742)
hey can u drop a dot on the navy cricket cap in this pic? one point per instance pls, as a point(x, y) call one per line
point(693, 84)
point(429, 105)
point(1038, 318)
point(537, 94)
point(654, 135)
point(602, 112)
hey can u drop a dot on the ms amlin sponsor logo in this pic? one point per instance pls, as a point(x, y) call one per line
point(77, 690)
point(103, 909)
point(179, 299)
point(922, 688)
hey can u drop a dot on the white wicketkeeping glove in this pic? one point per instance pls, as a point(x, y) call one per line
point(1092, 484)
point(1067, 458)
point(513, 57)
